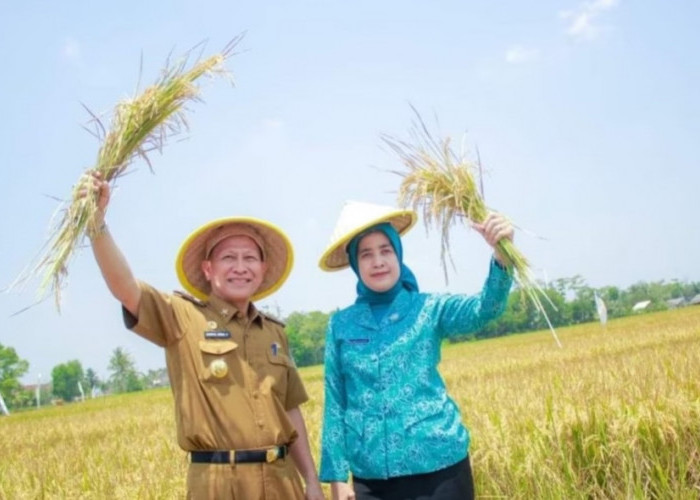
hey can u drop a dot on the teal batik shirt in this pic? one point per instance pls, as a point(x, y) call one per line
point(387, 412)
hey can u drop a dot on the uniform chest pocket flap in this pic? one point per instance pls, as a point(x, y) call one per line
point(353, 338)
point(217, 347)
point(217, 360)
point(279, 359)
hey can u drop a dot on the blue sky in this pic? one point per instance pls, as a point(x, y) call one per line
point(584, 113)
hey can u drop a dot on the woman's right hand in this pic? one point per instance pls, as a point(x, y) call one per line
point(342, 491)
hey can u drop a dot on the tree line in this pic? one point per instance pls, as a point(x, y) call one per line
point(568, 301)
point(70, 381)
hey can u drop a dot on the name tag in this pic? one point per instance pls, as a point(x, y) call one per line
point(217, 334)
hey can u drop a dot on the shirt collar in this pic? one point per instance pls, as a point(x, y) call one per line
point(397, 310)
point(227, 311)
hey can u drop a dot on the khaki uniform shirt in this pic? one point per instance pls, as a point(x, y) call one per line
point(239, 405)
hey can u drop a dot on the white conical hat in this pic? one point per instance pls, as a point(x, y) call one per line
point(356, 217)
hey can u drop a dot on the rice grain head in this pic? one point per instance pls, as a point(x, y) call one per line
point(441, 185)
point(138, 126)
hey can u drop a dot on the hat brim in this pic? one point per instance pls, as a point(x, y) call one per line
point(279, 256)
point(335, 257)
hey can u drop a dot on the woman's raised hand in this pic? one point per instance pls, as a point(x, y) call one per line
point(495, 228)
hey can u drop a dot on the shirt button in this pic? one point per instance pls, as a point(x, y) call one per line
point(224, 311)
point(256, 394)
point(260, 423)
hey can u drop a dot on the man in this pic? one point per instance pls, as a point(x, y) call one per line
point(237, 392)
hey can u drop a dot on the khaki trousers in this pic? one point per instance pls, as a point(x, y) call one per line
point(257, 481)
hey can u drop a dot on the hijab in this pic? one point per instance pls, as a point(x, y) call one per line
point(380, 301)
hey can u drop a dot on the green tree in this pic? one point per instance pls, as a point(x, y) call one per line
point(612, 297)
point(65, 378)
point(124, 376)
point(306, 333)
point(580, 306)
point(513, 320)
point(91, 379)
point(93, 383)
point(570, 301)
point(690, 290)
point(22, 398)
point(155, 378)
point(557, 309)
point(583, 306)
point(11, 369)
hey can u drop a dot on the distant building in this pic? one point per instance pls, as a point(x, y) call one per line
point(695, 300)
point(47, 387)
point(640, 306)
point(676, 303)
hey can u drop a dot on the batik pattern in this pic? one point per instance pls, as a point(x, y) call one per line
point(387, 412)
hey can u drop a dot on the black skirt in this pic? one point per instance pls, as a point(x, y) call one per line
point(451, 483)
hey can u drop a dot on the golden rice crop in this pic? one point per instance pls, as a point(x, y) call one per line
point(138, 126)
point(615, 415)
point(441, 183)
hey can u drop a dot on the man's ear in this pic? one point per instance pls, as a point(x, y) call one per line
point(206, 269)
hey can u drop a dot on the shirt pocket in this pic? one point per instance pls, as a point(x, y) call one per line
point(218, 359)
point(357, 354)
point(278, 368)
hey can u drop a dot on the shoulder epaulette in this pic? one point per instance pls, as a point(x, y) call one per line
point(190, 298)
point(269, 317)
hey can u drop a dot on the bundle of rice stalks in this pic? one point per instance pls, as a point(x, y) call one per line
point(138, 126)
point(441, 184)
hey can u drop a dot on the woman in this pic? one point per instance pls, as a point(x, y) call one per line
point(388, 419)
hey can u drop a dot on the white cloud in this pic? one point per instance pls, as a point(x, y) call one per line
point(583, 23)
point(521, 55)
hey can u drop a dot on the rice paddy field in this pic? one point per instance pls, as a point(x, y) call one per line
point(614, 414)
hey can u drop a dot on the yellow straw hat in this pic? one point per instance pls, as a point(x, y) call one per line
point(354, 218)
point(276, 249)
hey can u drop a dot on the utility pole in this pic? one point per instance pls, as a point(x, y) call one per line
point(37, 394)
point(3, 407)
